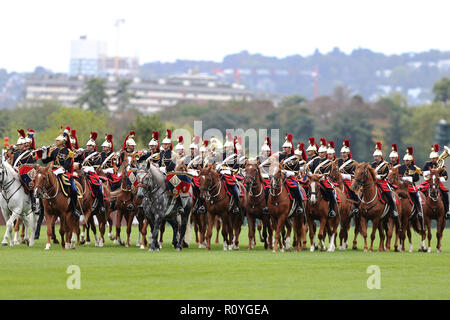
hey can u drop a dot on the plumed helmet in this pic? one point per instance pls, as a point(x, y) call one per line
point(312, 145)
point(74, 139)
point(267, 145)
point(168, 138)
point(21, 139)
point(239, 143)
point(180, 145)
point(92, 140)
point(30, 138)
point(434, 151)
point(288, 142)
point(330, 149)
point(195, 142)
point(298, 151)
point(229, 142)
point(129, 140)
point(394, 152)
point(216, 144)
point(409, 154)
point(378, 151)
point(108, 141)
point(204, 146)
point(345, 146)
point(323, 145)
point(155, 139)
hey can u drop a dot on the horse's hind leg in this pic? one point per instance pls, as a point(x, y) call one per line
point(251, 231)
point(428, 229)
point(440, 230)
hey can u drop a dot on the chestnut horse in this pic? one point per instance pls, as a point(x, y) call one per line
point(407, 216)
point(280, 208)
point(372, 207)
point(433, 210)
point(344, 206)
point(318, 207)
point(213, 192)
point(256, 203)
point(56, 204)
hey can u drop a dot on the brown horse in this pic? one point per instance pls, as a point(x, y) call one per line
point(344, 206)
point(407, 216)
point(56, 204)
point(255, 205)
point(281, 209)
point(89, 210)
point(213, 192)
point(433, 210)
point(372, 206)
point(318, 207)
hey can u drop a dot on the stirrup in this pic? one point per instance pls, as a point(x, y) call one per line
point(201, 210)
point(265, 210)
point(130, 207)
point(331, 213)
point(299, 210)
point(447, 215)
point(102, 210)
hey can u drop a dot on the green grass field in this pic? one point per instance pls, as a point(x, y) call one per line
point(115, 272)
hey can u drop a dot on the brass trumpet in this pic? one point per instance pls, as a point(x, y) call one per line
point(445, 154)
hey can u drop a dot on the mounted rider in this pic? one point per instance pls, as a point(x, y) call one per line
point(347, 168)
point(434, 164)
point(193, 148)
point(394, 159)
point(263, 161)
point(290, 163)
point(195, 164)
point(324, 168)
point(242, 159)
point(62, 157)
point(410, 172)
point(107, 162)
point(167, 158)
point(228, 168)
point(382, 170)
point(23, 158)
point(128, 152)
point(153, 147)
point(89, 160)
point(179, 148)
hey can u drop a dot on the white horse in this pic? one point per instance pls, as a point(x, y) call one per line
point(15, 203)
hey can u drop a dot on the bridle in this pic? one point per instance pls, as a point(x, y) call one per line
point(433, 190)
point(360, 183)
point(253, 184)
point(44, 190)
point(211, 188)
point(274, 185)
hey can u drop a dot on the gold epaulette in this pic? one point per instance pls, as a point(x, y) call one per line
point(71, 154)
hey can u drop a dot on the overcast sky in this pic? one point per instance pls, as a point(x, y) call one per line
point(38, 32)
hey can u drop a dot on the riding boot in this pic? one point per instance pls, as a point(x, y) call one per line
point(355, 210)
point(299, 199)
point(266, 195)
point(393, 206)
point(74, 199)
point(39, 222)
point(101, 200)
point(332, 201)
point(418, 205)
point(34, 208)
point(444, 196)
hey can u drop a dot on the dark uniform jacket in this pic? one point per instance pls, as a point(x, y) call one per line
point(430, 165)
point(108, 164)
point(62, 158)
point(27, 158)
point(349, 168)
point(409, 171)
point(323, 166)
point(383, 171)
point(167, 159)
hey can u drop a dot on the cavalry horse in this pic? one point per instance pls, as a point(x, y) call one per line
point(433, 210)
point(407, 216)
point(254, 183)
point(281, 210)
point(344, 207)
point(318, 210)
point(373, 207)
point(15, 203)
point(56, 204)
point(90, 207)
point(214, 193)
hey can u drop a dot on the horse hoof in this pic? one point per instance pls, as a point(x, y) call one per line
point(178, 249)
point(312, 249)
point(142, 247)
point(365, 250)
point(438, 250)
point(429, 250)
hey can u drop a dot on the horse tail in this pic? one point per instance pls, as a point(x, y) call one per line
point(188, 234)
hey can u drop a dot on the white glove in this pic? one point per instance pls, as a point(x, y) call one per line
point(378, 177)
point(426, 173)
point(59, 171)
point(44, 152)
point(289, 173)
point(442, 179)
point(410, 179)
point(162, 169)
point(225, 172)
point(109, 170)
point(346, 176)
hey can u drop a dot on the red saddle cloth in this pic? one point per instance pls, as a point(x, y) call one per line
point(230, 179)
point(426, 184)
point(196, 181)
point(266, 183)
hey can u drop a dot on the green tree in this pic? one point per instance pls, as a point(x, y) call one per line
point(123, 94)
point(144, 127)
point(94, 95)
point(292, 100)
point(441, 90)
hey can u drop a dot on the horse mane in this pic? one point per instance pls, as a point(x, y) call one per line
point(157, 175)
point(371, 171)
point(11, 170)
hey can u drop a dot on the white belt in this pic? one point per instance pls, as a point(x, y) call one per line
point(88, 169)
point(225, 172)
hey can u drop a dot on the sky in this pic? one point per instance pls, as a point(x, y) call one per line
point(38, 32)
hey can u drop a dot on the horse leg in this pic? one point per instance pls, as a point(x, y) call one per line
point(49, 221)
point(251, 231)
point(218, 224)
point(312, 234)
point(363, 225)
point(129, 226)
point(10, 227)
point(209, 230)
point(382, 235)
point(440, 230)
point(161, 230)
point(202, 230)
point(144, 233)
point(102, 228)
point(321, 235)
point(154, 246)
point(428, 229)
point(119, 216)
point(237, 231)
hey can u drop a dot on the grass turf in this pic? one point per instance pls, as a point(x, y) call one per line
point(115, 272)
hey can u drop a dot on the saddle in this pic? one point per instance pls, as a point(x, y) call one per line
point(27, 175)
point(66, 186)
point(179, 184)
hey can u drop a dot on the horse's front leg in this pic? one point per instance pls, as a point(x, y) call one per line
point(251, 231)
point(154, 246)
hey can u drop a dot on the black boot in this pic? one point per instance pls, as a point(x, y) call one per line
point(73, 205)
point(299, 199)
point(34, 208)
point(236, 206)
point(394, 209)
point(331, 212)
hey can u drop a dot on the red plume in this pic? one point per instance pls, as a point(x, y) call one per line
point(312, 141)
point(21, 133)
point(109, 138)
point(347, 143)
point(30, 132)
point(379, 145)
point(240, 140)
point(331, 144)
point(290, 136)
point(169, 134)
point(302, 148)
point(74, 135)
point(124, 146)
point(394, 147)
point(411, 152)
point(94, 136)
point(180, 139)
point(234, 145)
point(206, 142)
point(436, 148)
point(323, 141)
point(197, 140)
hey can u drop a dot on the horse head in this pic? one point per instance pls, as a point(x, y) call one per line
point(252, 173)
point(42, 181)
point(335, 174)
point(394, 176)
point(364, 175)
point(276, 177)
point(208, 179)
point(434, 182)
point(314, 182)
